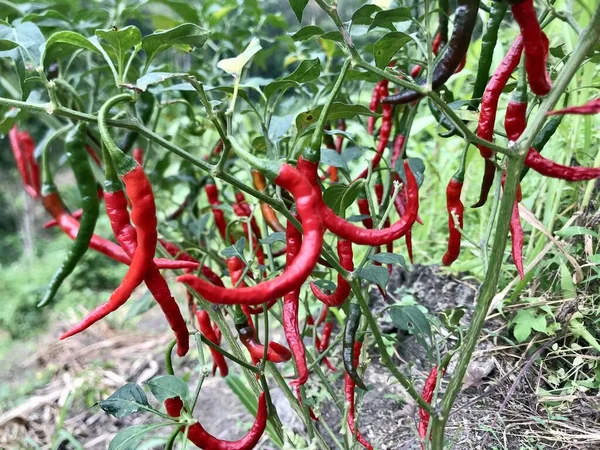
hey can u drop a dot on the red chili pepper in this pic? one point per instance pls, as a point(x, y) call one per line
point(384, 132)
point(53, 223)
point(318, 344)
point(180, 255)
point(212, 193)
point(70, 226)
point(269, 215)
point(375, 97)
point(591, 107)
point(455, 207)
point(491, 96)
point(516, 232)
point(23, 148)
point(489, 107)
point(204, 440)
point(415, 71)
point(363, 208)
point(351, 232)
point(208, 331)
point(291, 302)
point(427, 395)
point(295, 274)
point(143, 238)
point(536, 46)
point(138, 155)
point(399, 141)
point(342, 290)
point(349, 388)
point(515, 125)
point(276, 353)
point(93, 155)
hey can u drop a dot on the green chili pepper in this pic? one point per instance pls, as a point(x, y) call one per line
point(145, 108)
point(86, 183)
point(352, 323)
point(488, 43)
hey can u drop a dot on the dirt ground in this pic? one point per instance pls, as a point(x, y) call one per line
point(498, 408)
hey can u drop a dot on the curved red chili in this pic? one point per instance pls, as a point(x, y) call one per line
point(591, 107)
point(358, 235)
point(375, 97)
point(296, 273)
point(427, 395)
point(536, 46)
point(276, 353)
point(389, 247)
point(455, 208)
point(204, 440)
point(342, 290)
point(212, 193)
point(180, 255)
point(291, 302)
point(349, 389)
point(23, 147)
point(138, 155)
point(208, 331)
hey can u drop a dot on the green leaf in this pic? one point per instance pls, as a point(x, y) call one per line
point(566, 282)
point(375, 274)
point(185, 37)
point(307, 32)
point(386, 47)
point(339, 196)
point(168, 386)
point(451, 317)
point(6, 45)
point(121, 41)
point(364, 14)
point(128, 399)
point(298, 8)
point(130, 438)
point(386, 19)
point(576, 231)
point(236, 249)
point(410, 318)
point(338, 111)
point(307, 70)
point(184, 8)
point(278, 236)
point(335, 36)
point(64, 43)
point(154, 78)
point(388, 258)
point(525, 321)
point(332, 158)
point(417, 167)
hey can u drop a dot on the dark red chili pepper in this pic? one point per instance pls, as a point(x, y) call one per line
point(269, 215)
point(276, 353)
point(291, 302)
point(491, 96)
point(342, 290)
point(318, 344)
point(296, 273)
point(180, 255)
point(591, 107)
point(536, 46)
point(489, 107)
point(375, 97)
point(384, 132)
point(464, 23)
point(363, 208)
point(23, 148)
point(398, 148)
point(351, 232)
point(204, 440)
point(208, 331)
point(455, 208)
point(131, 239)
point(212, 193)
point(427, 395)
point(349, 389)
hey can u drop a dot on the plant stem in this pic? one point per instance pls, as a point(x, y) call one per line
point(489, 285)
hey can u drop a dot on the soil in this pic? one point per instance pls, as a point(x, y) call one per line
point(101, 360)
